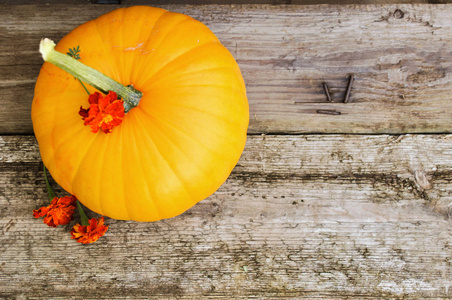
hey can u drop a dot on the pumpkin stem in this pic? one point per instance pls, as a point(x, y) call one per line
point(130, 96)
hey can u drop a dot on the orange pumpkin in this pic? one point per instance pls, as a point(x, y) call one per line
point(172, 150)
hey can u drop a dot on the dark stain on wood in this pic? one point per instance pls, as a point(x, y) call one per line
point(427, 75)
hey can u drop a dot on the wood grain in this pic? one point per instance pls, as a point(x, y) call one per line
point(218, 2)
point(309, 216)
point(401, 56)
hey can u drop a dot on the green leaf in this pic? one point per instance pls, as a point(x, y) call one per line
point(83, 217)
point(73, 52)
point(49, 188)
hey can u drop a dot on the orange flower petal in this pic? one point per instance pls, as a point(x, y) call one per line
point(91, 233)
point(104, 113)
point(41, 212)
point(59, 212)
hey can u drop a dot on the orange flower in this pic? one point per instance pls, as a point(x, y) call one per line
point(91, 233)
point(59, 212)
point(103, 112)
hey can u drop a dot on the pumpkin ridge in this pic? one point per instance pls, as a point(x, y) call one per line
point(168, 124)
point(169, 76)
point(81, 162)
point(101, 164)
point(77, 165)
point(177, 58)
point(159, 120)
point(119, 58)
point(202, 168)
point(147, 41)
point(225, 120)
point(76, 171)
point(58, 143)
point(219, 154)
point(173, 26)
point(204, 85)
point(133, 136)
point(136, 61)
point(162, 157)
point(162, 39)
point(107, 52)
point(121, 157)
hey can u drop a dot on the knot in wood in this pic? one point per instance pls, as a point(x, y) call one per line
point(398, 14)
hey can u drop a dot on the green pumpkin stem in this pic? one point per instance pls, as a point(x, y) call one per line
point(130, 96)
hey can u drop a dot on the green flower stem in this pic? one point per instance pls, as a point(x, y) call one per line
point(129, 95)
point(86, 90)
point(83, 217)
point(49, 188)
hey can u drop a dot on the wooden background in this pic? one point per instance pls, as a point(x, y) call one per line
point(356, 205)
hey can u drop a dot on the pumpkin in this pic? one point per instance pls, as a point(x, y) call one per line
point(172, 150)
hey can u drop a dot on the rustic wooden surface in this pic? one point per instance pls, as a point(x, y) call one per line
point(316, 216)
point(221, 2)
point(401, 56)
point(310, 211)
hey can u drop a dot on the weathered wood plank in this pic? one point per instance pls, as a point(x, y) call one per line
point(401, 56)
point(278, 2)
point(220, 2)
point(315, 216)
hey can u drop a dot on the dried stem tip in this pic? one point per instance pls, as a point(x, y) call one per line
point(128, 94)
